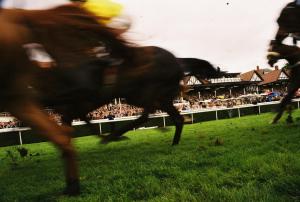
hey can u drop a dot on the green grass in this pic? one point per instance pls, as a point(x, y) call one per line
point(244, 159)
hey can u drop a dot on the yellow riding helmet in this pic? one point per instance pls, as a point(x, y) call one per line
point(104, 9)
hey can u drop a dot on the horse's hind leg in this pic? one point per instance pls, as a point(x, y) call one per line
point(33, 116)
point(176, 118)
point(284, 102)
point(116, 134)
point(142, 119)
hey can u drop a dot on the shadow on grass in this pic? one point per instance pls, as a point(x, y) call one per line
point(290, 187)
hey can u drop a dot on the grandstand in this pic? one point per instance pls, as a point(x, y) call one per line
point(232, 90)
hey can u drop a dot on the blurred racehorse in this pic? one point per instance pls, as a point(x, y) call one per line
point(151, 83)
point(288, 22)
point(292, 55)
point(68, 33)
point(149, 75)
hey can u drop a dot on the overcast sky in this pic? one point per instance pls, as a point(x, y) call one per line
point(232, 34)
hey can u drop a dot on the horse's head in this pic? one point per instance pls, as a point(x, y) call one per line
point(278, 51)
point(288, 21)
point(201, 68)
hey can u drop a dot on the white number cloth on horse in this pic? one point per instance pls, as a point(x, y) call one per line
point(33, 4)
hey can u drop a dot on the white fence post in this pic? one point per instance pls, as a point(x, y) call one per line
point(192, 117)
point(239, 112)
point(164, 120)
point(20, 138)
point(258, 109)
point(100, 128)
point(216, 114)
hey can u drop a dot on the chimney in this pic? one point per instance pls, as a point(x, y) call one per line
point(257, 67)
point(276, 67)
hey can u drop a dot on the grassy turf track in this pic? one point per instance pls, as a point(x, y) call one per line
point(241, 159)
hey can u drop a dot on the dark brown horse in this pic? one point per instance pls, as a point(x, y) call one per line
point(154, 85)
point(288, 22)
point(152, 81)
point(292, 55)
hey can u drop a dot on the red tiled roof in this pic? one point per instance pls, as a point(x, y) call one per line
point(271, 76)
point(261, 72)
point(248, 75)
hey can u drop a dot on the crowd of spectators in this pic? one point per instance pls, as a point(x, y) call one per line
point(104, 112)
point(118, 110)
point(189, 102)
point(196, 101)
point(9, 124)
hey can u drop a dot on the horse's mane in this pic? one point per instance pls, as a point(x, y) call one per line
point(74, 29)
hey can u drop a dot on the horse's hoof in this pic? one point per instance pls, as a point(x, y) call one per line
point(289, 121)
point(175, 143)
point(71, 191)
point(72, 188)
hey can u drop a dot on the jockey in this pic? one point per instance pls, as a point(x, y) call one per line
point(110, 13)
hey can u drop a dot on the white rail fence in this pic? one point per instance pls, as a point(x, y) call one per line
point(162, 115)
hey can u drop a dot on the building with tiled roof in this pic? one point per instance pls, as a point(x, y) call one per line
point(254, 81)
point(253, 76)
point(277, 77)
point(216, 85)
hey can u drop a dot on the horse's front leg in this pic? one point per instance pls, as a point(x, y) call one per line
point(294, 85)
point(176, 118)
point(36, 118)
point(284, 102)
